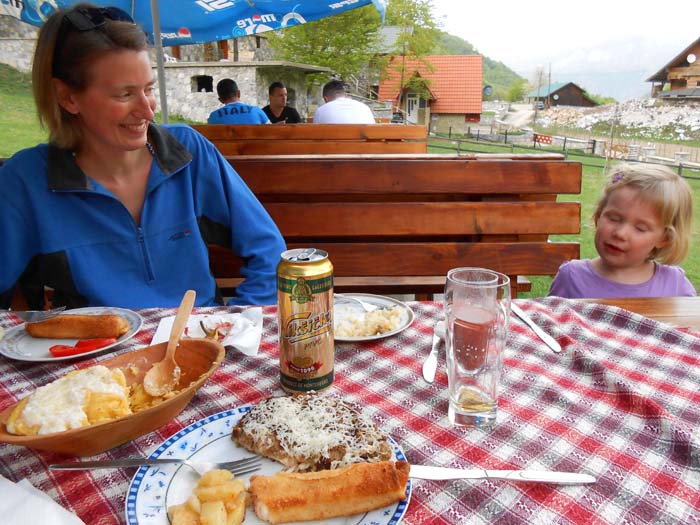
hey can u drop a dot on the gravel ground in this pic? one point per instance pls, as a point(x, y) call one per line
point(648, 118)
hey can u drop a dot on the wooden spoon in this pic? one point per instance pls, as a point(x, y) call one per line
point(164, 375)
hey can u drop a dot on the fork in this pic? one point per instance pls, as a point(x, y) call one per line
point(368, 307)
point(36, 316)
point(237, 467)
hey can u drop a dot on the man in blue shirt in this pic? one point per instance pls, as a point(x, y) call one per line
point(234, 111)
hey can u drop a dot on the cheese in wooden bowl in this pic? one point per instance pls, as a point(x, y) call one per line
point(114, 409)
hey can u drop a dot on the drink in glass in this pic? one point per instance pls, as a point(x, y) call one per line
point(477, 306)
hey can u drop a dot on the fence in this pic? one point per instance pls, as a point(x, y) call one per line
point(590, 152)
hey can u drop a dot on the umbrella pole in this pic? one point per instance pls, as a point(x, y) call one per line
point(155, 16)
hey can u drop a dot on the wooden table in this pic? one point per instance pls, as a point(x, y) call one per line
point(682, 312)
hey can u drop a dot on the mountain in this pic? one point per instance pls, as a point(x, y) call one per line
point(621, 85)
point(496, 74)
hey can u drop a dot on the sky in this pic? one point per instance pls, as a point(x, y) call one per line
point(613, 44)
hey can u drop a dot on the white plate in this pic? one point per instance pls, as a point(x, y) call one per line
point(154, 488)
point(345, 309)
point(18, 344)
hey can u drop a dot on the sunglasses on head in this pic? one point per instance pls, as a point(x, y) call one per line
point(89, 18)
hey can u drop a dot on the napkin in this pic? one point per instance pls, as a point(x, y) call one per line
point(22, 504)
point(242, 330)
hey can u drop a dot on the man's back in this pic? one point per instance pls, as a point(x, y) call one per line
point(238, 113)
point(344, 110)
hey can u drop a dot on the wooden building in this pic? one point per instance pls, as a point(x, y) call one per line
point(680, 78)
point(561, 94)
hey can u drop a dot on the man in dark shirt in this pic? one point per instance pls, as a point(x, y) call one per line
point(277, 110)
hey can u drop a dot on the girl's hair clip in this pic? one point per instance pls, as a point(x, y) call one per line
point(617, 177)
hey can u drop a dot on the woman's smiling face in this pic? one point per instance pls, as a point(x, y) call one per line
point(118, 103)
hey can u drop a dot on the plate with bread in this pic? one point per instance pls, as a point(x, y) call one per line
point(33, 341)
point(316, 472)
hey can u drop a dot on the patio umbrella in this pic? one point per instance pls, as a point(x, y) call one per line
point(184, 22)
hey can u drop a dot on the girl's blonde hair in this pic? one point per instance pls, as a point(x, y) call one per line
point(668, 193)
point(66, 53)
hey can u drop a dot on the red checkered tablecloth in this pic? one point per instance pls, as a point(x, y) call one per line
point(621, 402)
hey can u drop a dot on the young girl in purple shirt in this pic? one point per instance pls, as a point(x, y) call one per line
point(642, 229)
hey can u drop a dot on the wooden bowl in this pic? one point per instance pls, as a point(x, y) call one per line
point(198, 359)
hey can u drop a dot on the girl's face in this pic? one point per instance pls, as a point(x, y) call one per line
point(628, 230)
point(118, 103)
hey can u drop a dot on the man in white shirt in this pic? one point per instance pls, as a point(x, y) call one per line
point(341, 109)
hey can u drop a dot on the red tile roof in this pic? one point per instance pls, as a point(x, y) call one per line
point(455, 81)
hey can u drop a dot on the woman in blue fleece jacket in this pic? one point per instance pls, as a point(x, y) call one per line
point(116, 210)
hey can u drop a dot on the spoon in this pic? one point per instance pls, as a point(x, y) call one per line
point(430, 365)
point(164, 375)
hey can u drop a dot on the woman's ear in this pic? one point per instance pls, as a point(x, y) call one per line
point(64, 96)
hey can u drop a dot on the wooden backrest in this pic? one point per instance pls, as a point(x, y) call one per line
point(404, 217)
point(302, 139)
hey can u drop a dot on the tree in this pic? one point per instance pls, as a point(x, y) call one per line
point(418, 36)
point(420, 32)
point(345, 43)
point(517, 91)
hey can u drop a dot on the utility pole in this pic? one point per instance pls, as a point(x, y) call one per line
point(612, 136)
point(549, 87)
point(539, 87)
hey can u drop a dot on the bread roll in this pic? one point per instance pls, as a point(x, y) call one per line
point(76, 326)
point(307, 496)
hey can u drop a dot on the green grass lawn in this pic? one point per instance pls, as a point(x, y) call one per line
point(19, 124)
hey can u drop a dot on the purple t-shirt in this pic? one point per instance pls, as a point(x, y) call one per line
point(577, 279)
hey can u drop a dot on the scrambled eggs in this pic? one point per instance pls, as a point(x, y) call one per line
point(81, 398)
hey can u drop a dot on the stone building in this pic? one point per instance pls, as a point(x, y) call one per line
point(192, 72)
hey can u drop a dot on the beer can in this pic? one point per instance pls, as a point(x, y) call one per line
point(305, 317)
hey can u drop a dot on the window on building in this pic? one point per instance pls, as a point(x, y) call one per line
point(202, 84)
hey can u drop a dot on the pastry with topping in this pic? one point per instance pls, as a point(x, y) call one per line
point(310, 432)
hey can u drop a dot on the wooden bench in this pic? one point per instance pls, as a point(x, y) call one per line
point(302, 139)
point(397, 223)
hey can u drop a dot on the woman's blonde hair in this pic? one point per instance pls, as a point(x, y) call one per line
point(668, 193)
point(66, 53)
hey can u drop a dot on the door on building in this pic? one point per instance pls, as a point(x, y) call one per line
point(412, 109)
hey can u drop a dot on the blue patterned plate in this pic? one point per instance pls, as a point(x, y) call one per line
point(154, 488)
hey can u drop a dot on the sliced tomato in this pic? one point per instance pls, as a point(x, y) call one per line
point(94, 344)
point(82, 346)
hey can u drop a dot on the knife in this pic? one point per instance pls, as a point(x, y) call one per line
point(430, 365)
point(113, 463)
point(527, 476)
point(548, 339)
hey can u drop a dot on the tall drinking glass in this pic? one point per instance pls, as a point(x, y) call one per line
point(477, 308)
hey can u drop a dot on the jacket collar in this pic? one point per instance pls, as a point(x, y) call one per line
point(65, 174)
